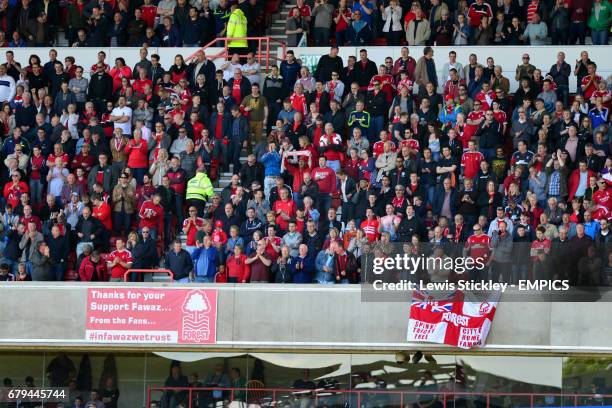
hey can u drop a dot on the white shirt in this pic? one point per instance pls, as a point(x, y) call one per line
point(255, 77)
point(126, 128)
point(7, 88)
point(146, 133)
point(228, 73)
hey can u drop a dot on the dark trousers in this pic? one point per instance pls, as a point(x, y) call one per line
point(321, 36)
point(559, 37)
point(234, 149)
point(348, 210)
point(122, 222)
point(563, 94)
point(178, 202)
point(58, 271)
point(341, 38)
point(577, 32)
point(167, 227)
point(139, 174)
point(394, 37)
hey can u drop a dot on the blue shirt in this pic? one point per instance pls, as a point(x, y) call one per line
point(591, 229)
point(205, 262)
point(272, 163)
point(582, 185)
point(364, 16)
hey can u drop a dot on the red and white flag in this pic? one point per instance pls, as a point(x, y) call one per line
point(450, 320)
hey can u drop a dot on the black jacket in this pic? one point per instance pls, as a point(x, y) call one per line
point(409, 227)
point(208, 69)
point(100, 86)
point(180, 264)
point(326, 66)
point(364, 74)
point(376, 104)
point(490, 135)
point(248, 174)
point(144, 254)
point(58, 249)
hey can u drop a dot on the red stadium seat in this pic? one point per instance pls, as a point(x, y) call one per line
point(71, 275)
point(380, 41)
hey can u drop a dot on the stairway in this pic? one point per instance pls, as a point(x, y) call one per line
point(277, 28)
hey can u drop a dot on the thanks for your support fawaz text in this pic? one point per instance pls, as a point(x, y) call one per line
point(411, 264)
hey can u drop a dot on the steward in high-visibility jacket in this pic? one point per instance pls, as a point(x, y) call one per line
point(237, 28)
point(199, 190)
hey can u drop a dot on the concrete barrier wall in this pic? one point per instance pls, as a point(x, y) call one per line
point(299, 317)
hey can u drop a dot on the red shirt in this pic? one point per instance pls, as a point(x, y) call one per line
point(151, 215)
point(387, 86)
point(219, 236)
point(500, 117)
point(479, 246)
point(486, 98)
point(39, 162)
point(471, 163)
point(370, 227)
point(329, 140)
point(470, 130)
point(12, 192)
point(325, 178)
point(192, 229)
point(118, 271)
point(289, 207)
point(342, 25)
point(304, 11)
point(236, 90)
point(148, 14)
point(379, 148)
point(103, 213)
point(238, 268)
point(138, 154)
point(588, 92)
point(538, 245)
point(603, 198)
point(64, 156)
point(298, 102)
point(118, 74)
point(271, 251)
point(139, 85)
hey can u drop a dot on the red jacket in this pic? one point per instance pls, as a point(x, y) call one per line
point(574, 180)
point(238, 268)
point(151, 216)
point(177, 180)
point(138, 154)
point(325, 178)
point(87, 268)
point(12, 192)
point(103, 213)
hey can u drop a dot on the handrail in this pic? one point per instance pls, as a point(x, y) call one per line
point(129, 271)
point(446, 396)
point(378, 391)
point(261, 42)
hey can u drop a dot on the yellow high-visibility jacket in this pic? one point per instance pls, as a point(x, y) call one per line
point(199, 187)
point(237, 28)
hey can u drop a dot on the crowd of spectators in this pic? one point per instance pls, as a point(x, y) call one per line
point(121, 23)
point(459, 22)
point(106, 173)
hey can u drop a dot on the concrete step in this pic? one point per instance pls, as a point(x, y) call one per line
point(160, 277)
